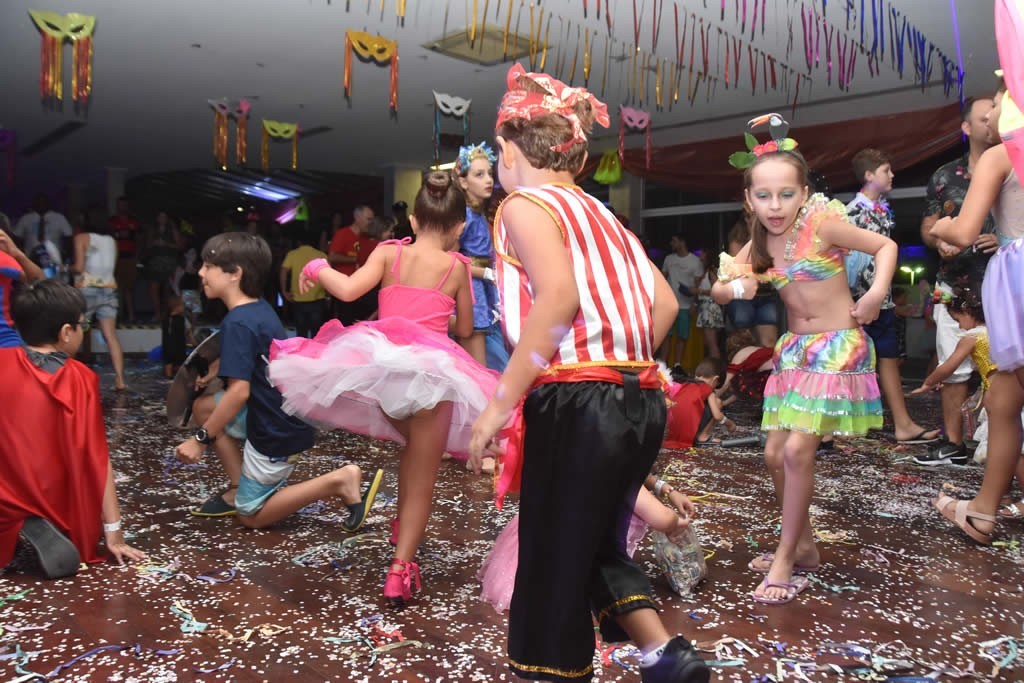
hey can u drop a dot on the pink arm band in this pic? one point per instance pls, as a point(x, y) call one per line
point(313, 268)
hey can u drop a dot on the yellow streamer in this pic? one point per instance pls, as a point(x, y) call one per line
point(508, 24)
point(586, 58)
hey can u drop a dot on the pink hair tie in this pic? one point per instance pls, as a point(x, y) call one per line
point(313, 268)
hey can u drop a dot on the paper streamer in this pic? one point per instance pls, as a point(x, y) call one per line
point(56, 29)
point(377, 49)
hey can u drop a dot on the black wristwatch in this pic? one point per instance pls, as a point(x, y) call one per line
point(204, 437)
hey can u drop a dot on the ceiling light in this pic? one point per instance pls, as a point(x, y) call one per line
point(273, 193)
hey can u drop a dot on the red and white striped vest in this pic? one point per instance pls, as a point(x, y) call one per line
point(613, 325)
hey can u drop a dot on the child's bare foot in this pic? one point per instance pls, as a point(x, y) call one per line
point(807, 561)
point(780, 585)
point(119, 384)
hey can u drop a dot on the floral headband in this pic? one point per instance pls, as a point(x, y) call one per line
point(557, 98)
point(778, 128)
point(469, 153)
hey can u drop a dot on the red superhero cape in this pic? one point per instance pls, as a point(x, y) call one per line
point(53, 451)
point(749, 380)
point(683, 418)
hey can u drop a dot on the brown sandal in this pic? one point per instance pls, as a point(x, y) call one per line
point(961, 516)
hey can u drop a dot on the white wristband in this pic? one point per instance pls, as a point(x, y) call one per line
point(725, 418)
point(489, 274)
point(658, 486)
point(113, 526)
point(737, 289)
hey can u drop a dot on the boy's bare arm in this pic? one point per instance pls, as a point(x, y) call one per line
point(666, 307)
point(538, 245)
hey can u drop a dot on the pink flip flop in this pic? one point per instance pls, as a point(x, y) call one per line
point(793, 588)
point(770, 557)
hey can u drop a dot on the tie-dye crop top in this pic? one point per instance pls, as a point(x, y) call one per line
point(809, 261)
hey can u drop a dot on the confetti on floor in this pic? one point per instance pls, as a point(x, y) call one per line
point(899, 590)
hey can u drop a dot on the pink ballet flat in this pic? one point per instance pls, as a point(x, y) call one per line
point(394, 532)
point(398, 585)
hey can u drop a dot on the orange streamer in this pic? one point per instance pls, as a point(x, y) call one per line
point(241, 142)
point(393, 94)
point(347, 79)
point(220, 138)
point(265, 153)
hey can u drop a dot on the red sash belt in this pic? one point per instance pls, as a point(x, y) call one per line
point(508, 477)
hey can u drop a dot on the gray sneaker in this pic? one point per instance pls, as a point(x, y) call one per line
point(945, 453)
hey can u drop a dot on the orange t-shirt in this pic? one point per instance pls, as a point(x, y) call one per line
point(346, 243)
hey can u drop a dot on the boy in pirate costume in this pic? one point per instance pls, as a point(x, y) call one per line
point(585, 310)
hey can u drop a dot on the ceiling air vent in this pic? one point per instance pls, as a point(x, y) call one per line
point(487, 50)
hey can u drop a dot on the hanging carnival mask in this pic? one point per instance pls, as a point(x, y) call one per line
point(453, 106)
point(372, 48)
point(55, 29)
point(222, 111)
point(280, 131)
point(634, 119)
point(609, 171)
point(778, 128)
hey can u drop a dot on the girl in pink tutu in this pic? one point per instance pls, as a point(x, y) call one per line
point(823, 378)
point(400, 377)
point(996, 187)
point(497, 575)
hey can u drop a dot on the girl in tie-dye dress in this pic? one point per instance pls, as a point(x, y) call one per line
point(823, 379)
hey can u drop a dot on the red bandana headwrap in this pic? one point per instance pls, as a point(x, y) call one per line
point(557, 98)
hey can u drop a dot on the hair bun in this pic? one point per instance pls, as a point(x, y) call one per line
point(437, 183)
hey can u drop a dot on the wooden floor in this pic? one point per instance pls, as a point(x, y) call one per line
point(893, 572)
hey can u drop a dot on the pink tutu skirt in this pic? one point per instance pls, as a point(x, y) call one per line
point(497, 574)
point(1002, 294)
point(356, 378)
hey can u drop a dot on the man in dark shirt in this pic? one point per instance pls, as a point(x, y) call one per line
point(946, 191)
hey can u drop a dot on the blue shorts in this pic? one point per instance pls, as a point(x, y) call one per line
point(744, 314)
point(235, 428)
point(885, 334)
point(260, 479)
point(100, 302)
point(683, 323)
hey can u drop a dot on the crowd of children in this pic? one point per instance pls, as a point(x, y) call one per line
point(579, 397)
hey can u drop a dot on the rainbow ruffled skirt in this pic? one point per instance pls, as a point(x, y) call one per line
point(823, 384)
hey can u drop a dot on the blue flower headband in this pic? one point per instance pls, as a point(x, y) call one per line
point(468, 153)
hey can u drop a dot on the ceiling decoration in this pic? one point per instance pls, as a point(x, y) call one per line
point(222, 111)
point(279, 131)
point(699, 67)
point(56, 29)
point(376, 49)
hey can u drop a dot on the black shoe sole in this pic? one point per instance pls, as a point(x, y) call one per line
point(56, 556)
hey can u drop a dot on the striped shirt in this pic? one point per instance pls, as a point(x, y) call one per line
point(615, 280)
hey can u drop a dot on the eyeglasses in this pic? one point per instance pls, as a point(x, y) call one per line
point(84, 325)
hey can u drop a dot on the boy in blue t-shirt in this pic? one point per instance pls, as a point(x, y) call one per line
point(235, 269)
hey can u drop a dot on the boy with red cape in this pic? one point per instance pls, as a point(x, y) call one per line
point(56, 481)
